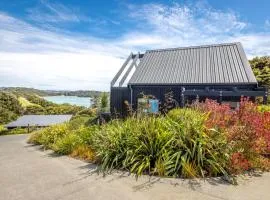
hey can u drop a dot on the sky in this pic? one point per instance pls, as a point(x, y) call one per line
point(72, 45)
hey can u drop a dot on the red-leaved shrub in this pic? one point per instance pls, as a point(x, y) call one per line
point(220, 115)
point(257, 122)
point(247, 130)
point(238, 163)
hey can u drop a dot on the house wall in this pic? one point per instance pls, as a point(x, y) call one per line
point(119, 95)
point(159, 91)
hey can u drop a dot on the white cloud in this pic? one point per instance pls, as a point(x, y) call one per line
point(59, 70)
point(33, 57)
point(188, 20)
point(195, 24)
point(49, 11)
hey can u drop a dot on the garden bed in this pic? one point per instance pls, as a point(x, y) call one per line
point(204, 140)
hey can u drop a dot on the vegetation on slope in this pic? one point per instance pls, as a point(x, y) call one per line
point(14, 103)
point(22, 91)
point(10, 107)
point(78, 93)
point(25, 103)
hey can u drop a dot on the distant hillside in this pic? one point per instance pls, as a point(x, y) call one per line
point(24, 91)
point(78, 93)
point(15, 102)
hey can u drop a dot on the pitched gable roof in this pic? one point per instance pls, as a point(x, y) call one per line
point(211, 64)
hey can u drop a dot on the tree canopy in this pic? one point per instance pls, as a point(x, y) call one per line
point(261, 69)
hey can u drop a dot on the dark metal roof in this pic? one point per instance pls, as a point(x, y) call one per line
point(209, 64)
point(39, 120)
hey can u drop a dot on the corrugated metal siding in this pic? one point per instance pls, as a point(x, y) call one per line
point(213, 64)
point(38, 120)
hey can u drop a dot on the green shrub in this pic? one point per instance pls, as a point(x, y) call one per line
point(34, 109)
point(35, 137)
point(86, 134)
point(64, 138)
point(49, 136)
point(78, 121)
point(67, 144)
point(2, 128)
point(176, 145)
point(204, 150)
point(264, 108)
point(62, 109)
point(10, 107)
point(84, 152)
point(7, 115)
point(16, 131)
point(87, 111)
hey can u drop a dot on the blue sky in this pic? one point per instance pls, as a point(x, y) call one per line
point(71, 44)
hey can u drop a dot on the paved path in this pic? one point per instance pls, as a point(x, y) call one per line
point(28, 172)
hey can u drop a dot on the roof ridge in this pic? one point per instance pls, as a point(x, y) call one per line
point(193, 47)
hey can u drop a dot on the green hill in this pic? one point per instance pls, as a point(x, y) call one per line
point(15, 102)
point(24, 91)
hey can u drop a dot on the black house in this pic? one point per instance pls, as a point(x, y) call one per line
point(219, 71)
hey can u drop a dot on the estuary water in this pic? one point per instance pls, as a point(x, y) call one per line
point(73, 100)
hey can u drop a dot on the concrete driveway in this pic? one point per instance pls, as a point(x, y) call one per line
point(28, 172)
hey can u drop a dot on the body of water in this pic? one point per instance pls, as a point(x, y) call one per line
point(73, 100)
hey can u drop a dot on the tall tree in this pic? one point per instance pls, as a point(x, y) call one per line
point(104, 102)
point(261, 69)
